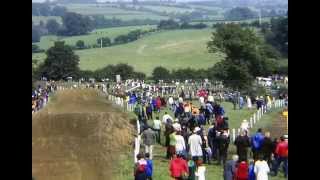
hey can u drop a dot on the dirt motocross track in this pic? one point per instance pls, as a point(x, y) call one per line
point(78, 136)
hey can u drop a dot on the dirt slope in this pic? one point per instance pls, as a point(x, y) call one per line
point(78, 136)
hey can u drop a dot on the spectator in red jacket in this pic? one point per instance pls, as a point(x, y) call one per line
point(178, 167)
point(242, 172)
point(281, 155)
point(158, 103)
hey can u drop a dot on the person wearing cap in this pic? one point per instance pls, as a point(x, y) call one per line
point(195, 143)
point(281, 156)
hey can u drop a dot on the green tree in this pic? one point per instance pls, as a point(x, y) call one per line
point(105, 41)
point(76, 24)
point(35, 34)
point(53, 26)
point(160, 73)
point(278, 35)
point(245, 59)
point(240, 13)
point(61, 62)
point(124, 70)
point(58, 11)
point(34, 73)
point(121, 39)
point(80, 44)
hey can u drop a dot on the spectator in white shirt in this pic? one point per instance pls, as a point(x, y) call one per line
point(180, 144)
point(165, 118)
point(157, 128)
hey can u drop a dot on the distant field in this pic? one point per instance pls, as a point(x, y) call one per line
point(110, 12)
point(168, 9)
point(90, 39)
point(142, 15)
point(37, 19)
point(172, 49)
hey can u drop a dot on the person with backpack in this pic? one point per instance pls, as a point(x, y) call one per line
point(178, 168)
point(149, 167)
point(242, 172)
point(242, 143)
point(257, 142)
point(140, 168)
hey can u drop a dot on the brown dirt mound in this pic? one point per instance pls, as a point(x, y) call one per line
point(279, 127)
point(78, 136)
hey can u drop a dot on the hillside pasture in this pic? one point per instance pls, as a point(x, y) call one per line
point(91, 38)
point(171, 49)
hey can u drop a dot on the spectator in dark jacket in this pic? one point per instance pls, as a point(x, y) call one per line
point(242, 143)
point(267, 148)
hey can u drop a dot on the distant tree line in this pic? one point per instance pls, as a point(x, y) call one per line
point(240, 13)
point(120, 39)
point(61, 62)
point(171, 24)
point(100, 21)
point(235, 71)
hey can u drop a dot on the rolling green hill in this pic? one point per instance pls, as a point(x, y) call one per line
point(171, 49)
point(90, 39)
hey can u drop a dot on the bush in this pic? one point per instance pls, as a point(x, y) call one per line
point(80, 44)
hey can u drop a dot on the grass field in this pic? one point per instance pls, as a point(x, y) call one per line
point(90, 39)
point(172, 49)
point(213, 171)
point(168, 9)
point(110, 12)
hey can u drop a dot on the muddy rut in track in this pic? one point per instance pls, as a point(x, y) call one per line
point(78, 136)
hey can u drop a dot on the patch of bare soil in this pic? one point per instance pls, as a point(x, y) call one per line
point(78, 136)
